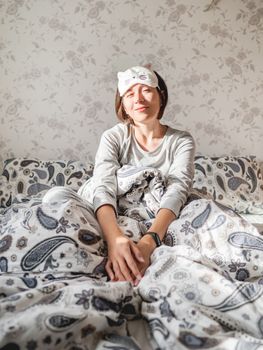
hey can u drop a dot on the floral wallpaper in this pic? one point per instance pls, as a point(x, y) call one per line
point(59, 61)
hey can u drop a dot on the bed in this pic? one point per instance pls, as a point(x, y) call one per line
point(203, 290)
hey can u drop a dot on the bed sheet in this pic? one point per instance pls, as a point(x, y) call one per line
point(203, 289)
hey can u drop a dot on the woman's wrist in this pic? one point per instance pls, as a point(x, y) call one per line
point(111, 236)
point(156, 238)
point(149, 242)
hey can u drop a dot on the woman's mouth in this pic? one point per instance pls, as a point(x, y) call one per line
point(141, 109)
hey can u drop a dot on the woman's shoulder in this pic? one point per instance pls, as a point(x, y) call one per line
point(177, 138)
point(118, 132)
point(177, 133)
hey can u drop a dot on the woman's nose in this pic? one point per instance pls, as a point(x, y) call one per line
point(139, 97)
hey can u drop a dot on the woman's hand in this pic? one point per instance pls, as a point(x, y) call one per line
point(146, 246)
point(124, 258)
point(123, 255)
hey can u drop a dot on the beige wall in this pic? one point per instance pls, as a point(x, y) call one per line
point(59, 60)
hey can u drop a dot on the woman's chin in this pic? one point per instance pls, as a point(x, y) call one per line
point(143, 119)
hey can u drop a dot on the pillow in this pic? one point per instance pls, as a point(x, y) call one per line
point(33, 176)
point(261, 167)
point(236, 182)
point(5, 192)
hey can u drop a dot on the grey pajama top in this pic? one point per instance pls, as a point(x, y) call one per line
point(174, 157)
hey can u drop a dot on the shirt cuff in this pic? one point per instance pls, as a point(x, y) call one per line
point(171, 205)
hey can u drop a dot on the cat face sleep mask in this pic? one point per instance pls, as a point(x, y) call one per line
point(136, 75)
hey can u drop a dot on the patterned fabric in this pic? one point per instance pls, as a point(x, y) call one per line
point(236, 182)
point(40, 238)
point(139, 191)
point(206, 291)
point(33, 176)
point(203, 291)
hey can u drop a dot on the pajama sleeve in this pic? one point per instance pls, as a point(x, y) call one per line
point(104, 176)
point(101, 188)
point(180, 175)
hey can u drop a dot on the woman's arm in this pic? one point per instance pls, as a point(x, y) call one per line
point(160, 225)
point(180, 174)
point(101, 189)
point(162, 221)
point(123, 255)
point(179, 182)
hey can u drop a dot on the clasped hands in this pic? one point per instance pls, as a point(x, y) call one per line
point(127, 261)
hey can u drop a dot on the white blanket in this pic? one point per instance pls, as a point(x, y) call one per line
point(203, 289)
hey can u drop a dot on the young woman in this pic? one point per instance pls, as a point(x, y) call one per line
point(140, 140)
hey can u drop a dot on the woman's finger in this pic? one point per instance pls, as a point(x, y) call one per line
point(125, 270)
point(117, 272)
point(142, 271)
point(133, 267)
point(109, 270)
point(137, 253)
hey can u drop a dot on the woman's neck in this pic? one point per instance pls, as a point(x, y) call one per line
point(148, 138)
point(149, 133)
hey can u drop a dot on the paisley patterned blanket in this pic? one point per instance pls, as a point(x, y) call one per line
point(203, 290)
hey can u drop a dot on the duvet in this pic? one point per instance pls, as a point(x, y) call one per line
point(203, 289)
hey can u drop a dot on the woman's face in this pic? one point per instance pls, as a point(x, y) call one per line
point(141, 103)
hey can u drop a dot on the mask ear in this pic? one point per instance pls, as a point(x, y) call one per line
point(120, 75)
point(148, 66)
